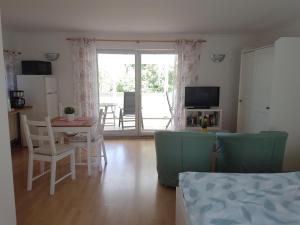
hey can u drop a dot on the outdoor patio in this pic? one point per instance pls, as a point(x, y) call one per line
point(155, 111)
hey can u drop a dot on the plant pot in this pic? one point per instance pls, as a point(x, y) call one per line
point(70, 117)
point(205, 129)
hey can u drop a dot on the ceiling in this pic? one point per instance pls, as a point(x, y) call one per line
point(148, 16)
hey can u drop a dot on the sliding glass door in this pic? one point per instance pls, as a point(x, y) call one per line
point(136, 89)
point(157, 80)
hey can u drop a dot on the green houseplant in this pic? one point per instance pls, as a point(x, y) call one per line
point(70, 113)
point(204, 124)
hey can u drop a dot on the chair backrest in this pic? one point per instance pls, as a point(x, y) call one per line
point(62, 106)
point(251, 153)
point(129, 103)
point(101, 121)
point(178, 152)
point(41, 138)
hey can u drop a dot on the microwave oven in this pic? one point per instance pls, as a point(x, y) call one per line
point(35, 67)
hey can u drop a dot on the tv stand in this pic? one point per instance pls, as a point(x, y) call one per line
point(194, 117)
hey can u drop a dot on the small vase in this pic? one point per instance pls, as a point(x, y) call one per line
point(70, 117)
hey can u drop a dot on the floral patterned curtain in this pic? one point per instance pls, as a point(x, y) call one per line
point(85, 77)
point(11, 66)
point(188, 72)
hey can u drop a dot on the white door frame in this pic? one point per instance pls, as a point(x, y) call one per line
point(7, 202)
point(144, 52)
point(138, 131)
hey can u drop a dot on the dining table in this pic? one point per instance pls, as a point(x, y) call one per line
point(112, 111)
point(82, 125)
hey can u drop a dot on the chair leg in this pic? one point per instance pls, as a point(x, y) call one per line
point(122, 123)
point(42, 167)
point(142, 121)
point(53, 176)
point(169, 122)
point(72, 165)
point(78, 151)
point(104, 151)
point(99, 158)
point(30, 172)
point(120, 116)
point(114, 113)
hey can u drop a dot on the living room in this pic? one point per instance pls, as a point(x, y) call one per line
point(219, 70)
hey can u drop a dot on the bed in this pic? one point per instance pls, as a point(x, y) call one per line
point(231, 199)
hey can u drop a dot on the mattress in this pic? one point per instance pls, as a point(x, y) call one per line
point(230, 199)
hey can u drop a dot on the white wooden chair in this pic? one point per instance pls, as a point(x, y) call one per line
point(47, 151)
point(80, 141)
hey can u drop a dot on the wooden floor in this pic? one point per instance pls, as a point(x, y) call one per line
point(126, 192)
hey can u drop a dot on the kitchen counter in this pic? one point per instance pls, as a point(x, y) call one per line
point(19, 110)
point(15, 125)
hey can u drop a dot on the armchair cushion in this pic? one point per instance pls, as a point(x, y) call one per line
point(251, 153)
point(178, 152)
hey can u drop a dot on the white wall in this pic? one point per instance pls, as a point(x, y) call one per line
point(226, 74)
point(285, 104)
point(7, 201)
point(286, 30)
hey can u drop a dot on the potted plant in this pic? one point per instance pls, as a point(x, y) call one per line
point(204, 124)
point(70, 113)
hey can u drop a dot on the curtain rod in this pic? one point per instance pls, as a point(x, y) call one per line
point(12, 51)
point(136, 41)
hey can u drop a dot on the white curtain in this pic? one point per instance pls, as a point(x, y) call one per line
point(85, 77)
point(11, 66)
point(188, 72)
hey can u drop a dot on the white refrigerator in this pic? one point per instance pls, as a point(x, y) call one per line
point(40, 91)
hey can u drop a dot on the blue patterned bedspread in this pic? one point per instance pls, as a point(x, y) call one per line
point(231, 199)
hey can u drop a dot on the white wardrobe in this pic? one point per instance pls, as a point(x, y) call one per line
point(269, 93)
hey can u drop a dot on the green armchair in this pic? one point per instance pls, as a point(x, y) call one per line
point(178, 152)
point(251, 153)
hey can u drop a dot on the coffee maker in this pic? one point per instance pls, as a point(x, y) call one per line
point(17, 99)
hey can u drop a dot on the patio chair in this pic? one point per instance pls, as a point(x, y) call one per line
point(127, 113)
point(170, 109)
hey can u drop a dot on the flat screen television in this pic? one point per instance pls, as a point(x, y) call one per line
point(202, 97)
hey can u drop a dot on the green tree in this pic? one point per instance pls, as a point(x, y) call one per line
point(127, 82)
point(152, 78)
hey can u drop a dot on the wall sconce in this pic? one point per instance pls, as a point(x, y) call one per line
point(217, 58)
point(51, 56)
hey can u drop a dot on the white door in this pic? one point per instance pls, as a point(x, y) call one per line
point(263, 77)
point(245, 91)
point(255, 90)
point(52, 105)
point(262, 89)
